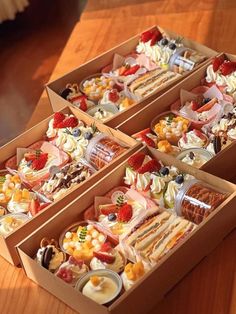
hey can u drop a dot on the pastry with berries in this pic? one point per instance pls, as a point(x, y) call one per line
point(70, 134)
point(72, 270)
point(108, 258)
point(34, 167)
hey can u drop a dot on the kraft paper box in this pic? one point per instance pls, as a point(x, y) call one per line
point(222, 164)
point(95, 65)
point(156, 283)
point(7, 244)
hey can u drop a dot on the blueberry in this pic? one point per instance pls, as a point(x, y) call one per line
point(88, 135)
point(164, 171)
point(206, 100)
point(65, 93)
point(172, 46)
point(76, 132)
point(179, 179)
point(164, 41)
point(29, 163)
point(112, 217)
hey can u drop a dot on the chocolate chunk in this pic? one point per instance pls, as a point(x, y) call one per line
point(47, 256)
point(217, 144)
point(191, 155)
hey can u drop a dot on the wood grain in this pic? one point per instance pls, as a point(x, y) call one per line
point(211, 286)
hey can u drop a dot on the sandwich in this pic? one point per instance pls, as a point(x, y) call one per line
point(151, 82)
point(168, 239)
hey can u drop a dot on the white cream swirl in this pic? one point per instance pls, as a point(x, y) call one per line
point(158, 184)
point(103, 115)
point(130, 176)
point(171, 192)
point(192, 141)
point(143, 180)
point(51, 131)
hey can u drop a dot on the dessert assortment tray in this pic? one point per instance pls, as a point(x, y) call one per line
point(48, 166)
point(206, 142)
point(147, 285)
point(118, 83)
point(103, 201)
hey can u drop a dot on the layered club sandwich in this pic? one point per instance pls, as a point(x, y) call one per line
point(155, 236)
point(151, 82)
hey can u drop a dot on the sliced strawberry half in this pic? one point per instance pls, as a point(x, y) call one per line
point(151, 166)
point(58, 118)
point(146, 36)
point(104, 257)
point(106, 247)
point(34, 207)
point(108, 209)
point(70, 122)
point(155, 37)
point(217, 61)
point(227, 67)
point(147, 140)
point(136, 160)
point(194, 105)
point(138, 134)
point(113, 96)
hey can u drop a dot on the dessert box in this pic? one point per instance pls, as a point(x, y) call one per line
point(153, 286)
point(36, 134)
point(220, 164)
point(94, 66)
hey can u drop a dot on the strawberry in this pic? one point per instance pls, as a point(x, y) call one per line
point(34, 207)
point(44, 205)
point(113, 96)
point(108, 209)
point(146, 36)
point(199, 134)
point(147, 140)
point(29, 156)
point(106, 247)
point(104, 257)
point(123, 69)
point(136, 160)
point(58, 118)
point(125, 213)
point(228, 67)
point(70, 122)
point(184, 136)
point(65, 274)
point(118, 87)
point(216, 62)
point(151, 166)
point(132, 70)
point(83, 106)
point(145, 131)
point(40, 162)
point(194, 105)
point(155, 37)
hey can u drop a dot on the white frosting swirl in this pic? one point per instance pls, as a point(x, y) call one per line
point(130, 176)
point(143, 180)
point(158, 184)
point(51, 132)
point(171, 192)
point(192, 141)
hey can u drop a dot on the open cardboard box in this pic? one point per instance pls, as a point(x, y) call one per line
point(156, 283)
point(7, 244)
point(95, 65)
point(220, 165)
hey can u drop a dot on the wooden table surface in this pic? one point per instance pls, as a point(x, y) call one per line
point(210, 288)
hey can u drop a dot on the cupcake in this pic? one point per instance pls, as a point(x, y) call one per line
point(72, 270)
point(132, 273)
point(49, 255)
point(108, 258)
point(193, 138)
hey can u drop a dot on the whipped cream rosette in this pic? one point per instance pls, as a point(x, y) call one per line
point(70, 134)
point(194, 138)
point(10, 222)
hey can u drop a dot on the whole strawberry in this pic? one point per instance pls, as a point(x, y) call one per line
point(39, 162)
point(125, 213)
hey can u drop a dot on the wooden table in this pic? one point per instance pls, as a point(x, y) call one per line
point(210, 288)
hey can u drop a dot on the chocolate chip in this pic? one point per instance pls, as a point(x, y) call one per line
point(47, 256)
point(217, 144)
